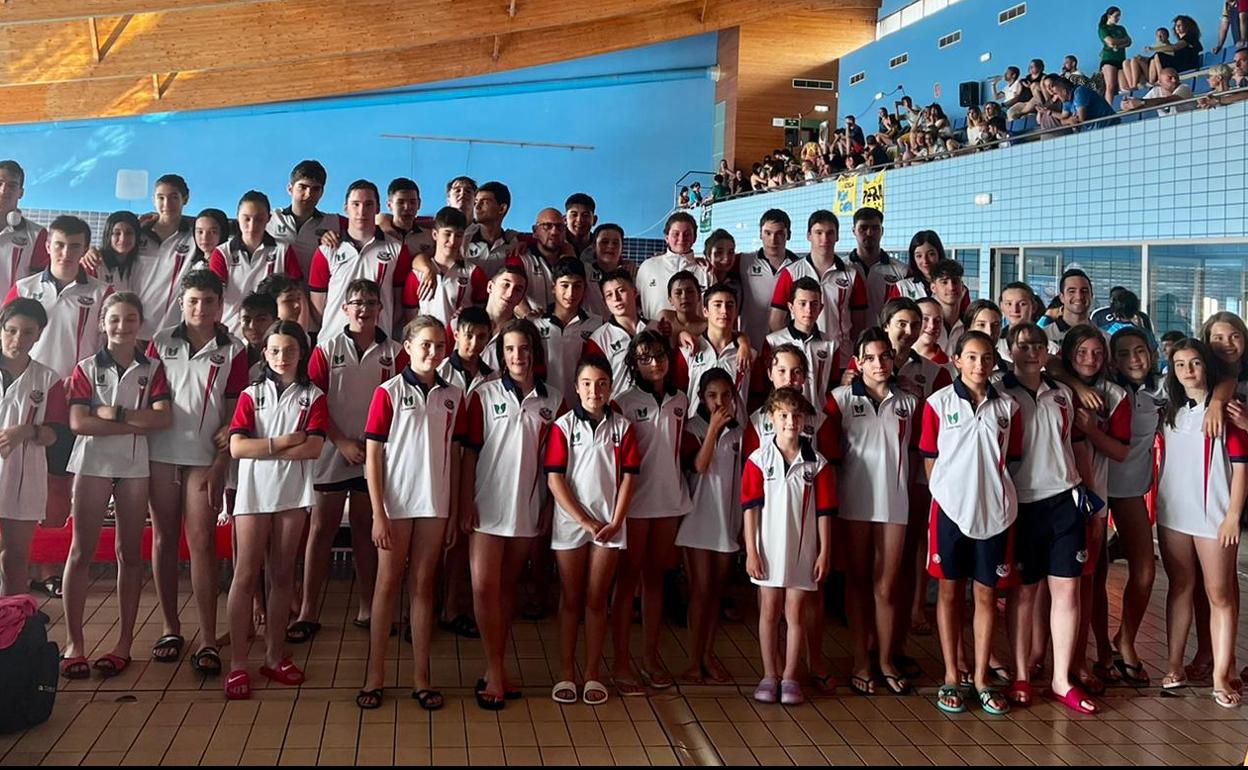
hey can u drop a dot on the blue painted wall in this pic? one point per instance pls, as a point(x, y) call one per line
point(647, 112)
point(1049, 30)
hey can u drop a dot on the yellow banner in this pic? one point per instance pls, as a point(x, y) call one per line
point(846, 196)
point(873, 192)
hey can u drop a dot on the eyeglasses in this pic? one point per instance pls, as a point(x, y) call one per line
point(364, 303)
point(547, 225)
point(648, 358)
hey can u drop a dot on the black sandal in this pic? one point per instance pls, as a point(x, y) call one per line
point(431, 700)
point(897, 685)
point(1135, 675)
point(302, 631)
point(171, 644)
point(515, 694)
point(910, 668)
point(489, 702)
point(50, 585)
point(461, 625)
point(861, 685)
point(365, 623)
point(369, 699)
point(207, 661)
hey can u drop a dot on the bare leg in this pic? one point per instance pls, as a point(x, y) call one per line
point(283, 552)
point(770, 604)
point(627, 577)
point(363, 552)
point(860, 553)
point(573, 564)
point(253, 532)
point(889, 539)
point(661, 558)
point(201, 539)
point(166, 507)
point(1065, 611)
point(426, 552)
point(391, 564)
point(1178, 557)
point(1136, 535)
point(793, 601)
point(15, 539)
point(1219, 570)
point(325, 522)
point(602, 568)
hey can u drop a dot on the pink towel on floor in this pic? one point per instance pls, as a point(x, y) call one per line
point(13, 613)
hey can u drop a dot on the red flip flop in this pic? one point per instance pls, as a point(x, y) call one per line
point(1074, 700)
point(1019, 693)
point(286, 673)
point(75, 668)
point(111, 665)
point(238, 685)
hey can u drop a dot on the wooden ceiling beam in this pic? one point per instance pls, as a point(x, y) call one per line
point(43, 11)
point(372, 71)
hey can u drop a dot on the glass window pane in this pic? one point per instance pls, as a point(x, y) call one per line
point(1007, 260)
point(890, 24)
point(1107, 266)
point(1041, 269)
point(969, 259)
point(1187, 284)
point(911, 13)
point(932, 6)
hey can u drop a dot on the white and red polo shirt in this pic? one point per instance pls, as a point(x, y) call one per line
point(100, 381)
point(417, 424)
point(157, 275)
point(655, 272)
point(73, 329)
point(204, 382)
point(305, 238)
point(612, 340)
point(1134, 476)
point(880, 278)
point(971, 445)
point(758, 287)
point(692, 363)
point(564, 345)
point(489, 255)
point(871, 443)
point(458, 287)
point(594, 456)
point(344, 371)
point(268, 410)
point(659, 420)
point(822, 359)
point(715, 522)
point(382, 259)
point(34, 397)
point(1048, 414)
point(1194, 488)
point(790, 498)
point(508, 431)
point(242, 271)
point(23, 250)
point(454, 371)
point(844, 291)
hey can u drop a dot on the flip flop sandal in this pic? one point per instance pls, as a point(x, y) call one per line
point(238, 685)
point(50, 585)
point(862, 685)
point(490, 702)
point(600, 693)
point(429, 700)
point(1076, 699)
point(964, 680)
point(512, 694)
point(988, 699)
point(1107, 674)
point(1020, 693)
point(768, 690)
point(207, 661)
point(1134, 675)
point(824, 685)
point(1198, 672)
point(171, 647)
point(564, 692)
point(75, 668)
point(1001, 674)
point(369, 699)
point(1093, 685)
point(286, 673)
point(1225, 699)
point(897, 685)
point(628, 687)
point(659, 681)
point(1171, 682)
point(950, 694)
point(366, 623)
point(461, 625)
point(791, 693)
point(302, 631)
point(111, 665)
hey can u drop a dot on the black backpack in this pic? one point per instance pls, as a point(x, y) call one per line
point(29, 669)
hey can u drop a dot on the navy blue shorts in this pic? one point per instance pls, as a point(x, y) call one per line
point(1052, 539)
point(951, 555)
point(357, 484)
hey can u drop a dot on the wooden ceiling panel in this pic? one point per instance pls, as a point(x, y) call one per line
point(289, 51)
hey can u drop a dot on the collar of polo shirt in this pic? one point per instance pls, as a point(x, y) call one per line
point(805, 448)
point(1011, 381)
point(1150, 382)
point(585, 416)
point(883, 260)
point(236, 243)
point(837, 263)
point(184, 226)
point(457, 363)
point(799, 335)
point(670, 390)
point(47, 277)
point(963, 393)
point(539, 386)
point(411, 379)
point(859, 388)
point(290, 212)
point(222, 334)
point(705, 414)
point(378, 234)
point(106, 360)
point(581, 315)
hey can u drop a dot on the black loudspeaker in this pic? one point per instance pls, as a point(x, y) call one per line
point(968, 93)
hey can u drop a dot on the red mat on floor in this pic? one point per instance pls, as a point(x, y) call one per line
point(51, 546)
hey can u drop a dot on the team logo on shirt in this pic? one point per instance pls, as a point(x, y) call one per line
point(86, 301)
point(463, 280)
point(821, 354)
point(1081, 556)
point(808, 430)
point(920, 379)
point(271, 256)
point(449, 404)
point(698, 357)
point(809, 477)
point(171, 351)
point(234, 259)
point(340, 257)
point(304, 401)
point(20, 240)
point(182, 249)
point(37, 296)
point(756, 270)
point(260, 401)
point(576, 438)
point(859, 409)
point(892, 278)
point(769, 472)
point(1004, 422)
point(384, 255)
point(643, 414)
point(36, 396)
point(652, 283)
point(546, 413)
point(901, 411)
point(1060, 400)
point(283, 228)
point(545, 330)
point(340, 359)
point(842, 281)
point(386, 361)
point(951, 419)
point(408, 401)
point(1003, 570)
point(217, 359)
point(615, 346)
point(585, 335)
point(678, 412)
point(142, 382)
point(500, 410)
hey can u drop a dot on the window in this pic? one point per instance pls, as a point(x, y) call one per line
point(950, 39)
point(911, 13)
point(890, 24)
point(1187, 284)
point(1107, 266)
point(820, 85)
point(857, 78)
point(969, 259)
point(1010, 14)
point(932, 6)
point(1007, 265)
point(898, 60)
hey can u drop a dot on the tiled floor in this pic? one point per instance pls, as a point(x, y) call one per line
point(163, 714)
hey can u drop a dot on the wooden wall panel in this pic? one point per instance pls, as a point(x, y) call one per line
point(775, 50)
point(310, 77)
point(729, 44)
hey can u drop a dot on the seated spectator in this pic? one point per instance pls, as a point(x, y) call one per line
point(1168, 89)
point(1239, 69)
point(1080, 104)
point(1238, 10)
point(695, 194)
point(739, 183)
point(881, 116)
point(854, 131)
point(875, 154)
point(810, 150)
point(1070, 71)
point(683, 200)
point(1031, 85)
point(974, 126)
point(1049, 107)
point(1219, 88)
point(890, 130)
point(1182, 55)
point(1014, 92)
point(719, 189)
point(938, 121)
point(758, 178)
point(994, 128)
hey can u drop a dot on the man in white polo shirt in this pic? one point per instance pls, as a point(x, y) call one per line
point(876, 266)
point(165, 249)
point(653, 274)
point(759, 271)
point(486, 243)
point(301, 224)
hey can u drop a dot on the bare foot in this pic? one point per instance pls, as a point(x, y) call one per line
point(692, 675)
point(716, 671)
